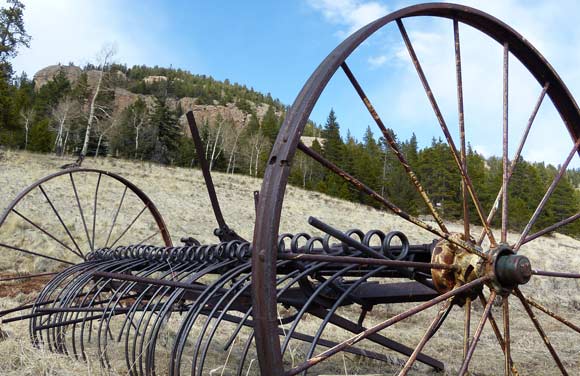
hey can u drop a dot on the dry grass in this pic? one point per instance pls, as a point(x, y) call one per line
point(180, 196)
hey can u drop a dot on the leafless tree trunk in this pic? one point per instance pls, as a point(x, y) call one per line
point(102, 129)
point(215, 147)
point(104, 58)
point(26, 116)
point(61, 114)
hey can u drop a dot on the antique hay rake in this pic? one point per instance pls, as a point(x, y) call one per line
point(284, 303)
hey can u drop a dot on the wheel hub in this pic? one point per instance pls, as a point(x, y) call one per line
point(506, 269)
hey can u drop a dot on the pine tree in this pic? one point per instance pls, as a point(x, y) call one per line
point(166, 129)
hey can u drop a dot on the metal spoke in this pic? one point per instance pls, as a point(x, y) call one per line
point(553, 314)
point(95, 206)
point(45, 231)
point(551, 228)
point(81, 254)
point(497, 333)
point(34, 253)
point(130, 225)
point(425, 338)
point(115, 216)
point(547, 195)
point(360, 186)
point(506, 333)
point(505, 161)
point(555, 274)
point(16, 278)
point(466, 326)
point(541, 331)
point(461, 116)
point(81, 212)
point(477, 334)
point(395, 148)
point(393, 320)
point(515, 158)
point(435, 106)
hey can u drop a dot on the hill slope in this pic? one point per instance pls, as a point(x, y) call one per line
point(180, 196)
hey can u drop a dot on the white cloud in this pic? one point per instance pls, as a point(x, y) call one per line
point(378, 61)
point(74, 31)
point(551, 27)
point(352, 14)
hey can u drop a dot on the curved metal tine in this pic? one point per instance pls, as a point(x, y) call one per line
point(465, 177)
point(89, 299)
point(425, 337)
point(45, 298)
point(213, 314)
point(547, 195)
point(505, 160)
point(506, 333)
point(155, 305)
point(198, 270)
point(244, 355)
point(361, 187)
point(334, 308)
point(66, 291)
point(541, 331)
point(477, 334)
point(91, 245)
point(164, 310)
point(129, 226)
point(551, 228)
point(310, 300)
point(44, 231)
point(461, 117)
point(292, 277)
point(115, 217)
point(385, 324)
point(394, 147)
point(186, 323)
point(80, 253)
point(122, 291)
point(515, 158)
point(198, 305)
point(52, 288)
point(95, 206)
point(95, 291)
point(134, 353)
point(553, 314)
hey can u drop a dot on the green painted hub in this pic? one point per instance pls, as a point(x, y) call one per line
point(513, 270)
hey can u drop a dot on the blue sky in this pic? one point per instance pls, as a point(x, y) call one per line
point(274, 46)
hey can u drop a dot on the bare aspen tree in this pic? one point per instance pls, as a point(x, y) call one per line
point(62, 114)
point(26, 115)
point(234, 134)
point(103, 59)
point(102, 128)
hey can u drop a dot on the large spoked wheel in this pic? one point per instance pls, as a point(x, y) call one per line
point(487, 271)
point(58, 220)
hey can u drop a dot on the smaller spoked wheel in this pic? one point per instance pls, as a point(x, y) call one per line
point(57, 221)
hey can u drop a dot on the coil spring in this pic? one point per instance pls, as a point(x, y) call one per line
point(236, 249)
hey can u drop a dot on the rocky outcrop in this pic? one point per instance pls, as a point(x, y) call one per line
point(124, 98)
point(43, 76)
point(72, 73)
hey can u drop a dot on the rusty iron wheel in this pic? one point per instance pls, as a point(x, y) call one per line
point(56, 221)
point(499, 268)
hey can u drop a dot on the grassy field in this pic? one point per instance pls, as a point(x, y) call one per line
point(180, 196)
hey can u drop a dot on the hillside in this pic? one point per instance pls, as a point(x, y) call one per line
point(181, 198)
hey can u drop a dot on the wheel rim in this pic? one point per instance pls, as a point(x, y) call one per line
point(77, 211)
point(277, 172)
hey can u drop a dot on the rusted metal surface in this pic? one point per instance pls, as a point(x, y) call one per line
point(258, 294)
